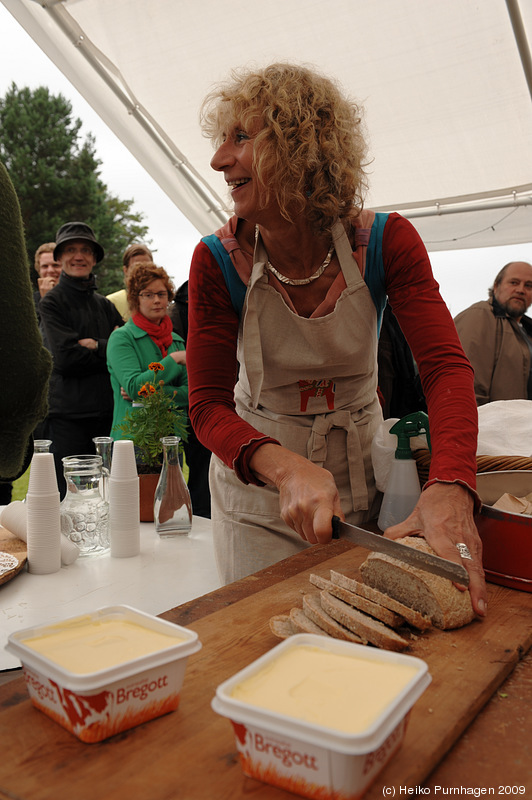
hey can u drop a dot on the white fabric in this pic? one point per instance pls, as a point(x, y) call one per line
point(505, 428)
point(448, 109)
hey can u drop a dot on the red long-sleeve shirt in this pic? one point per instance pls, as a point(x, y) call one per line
point(413, 293)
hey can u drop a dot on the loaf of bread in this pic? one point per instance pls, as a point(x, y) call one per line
point(431, 595)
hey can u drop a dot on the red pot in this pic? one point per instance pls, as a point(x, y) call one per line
point(506, 537)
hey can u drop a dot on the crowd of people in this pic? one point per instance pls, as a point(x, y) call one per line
point(302, 319)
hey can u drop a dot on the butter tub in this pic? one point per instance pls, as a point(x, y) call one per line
point(95, 703)
point(307, 757)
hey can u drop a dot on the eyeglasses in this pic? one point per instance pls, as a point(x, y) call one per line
point(151, 295)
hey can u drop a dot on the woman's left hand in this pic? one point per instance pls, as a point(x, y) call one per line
point(444, 517)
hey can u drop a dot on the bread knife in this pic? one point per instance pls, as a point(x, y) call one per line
point(416, 558)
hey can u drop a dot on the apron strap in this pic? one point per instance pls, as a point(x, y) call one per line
point(317, 452)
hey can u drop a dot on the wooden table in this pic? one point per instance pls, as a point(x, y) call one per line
point(190, 754)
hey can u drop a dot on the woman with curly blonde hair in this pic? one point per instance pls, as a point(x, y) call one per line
point(145, 338)
point(286, 301)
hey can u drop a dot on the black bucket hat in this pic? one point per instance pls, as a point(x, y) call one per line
point(77, 230)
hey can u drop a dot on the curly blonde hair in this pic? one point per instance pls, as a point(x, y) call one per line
point(309, 148)
point(141, 275)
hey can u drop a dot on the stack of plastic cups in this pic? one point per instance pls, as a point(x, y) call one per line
point(124, 515)
point(14, 518)
point(43, 519)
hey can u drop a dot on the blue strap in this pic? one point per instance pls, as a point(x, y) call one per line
point(235, 286)
point(374, 275)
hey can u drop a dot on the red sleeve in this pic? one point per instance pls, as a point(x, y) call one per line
point(212, 368)
point(446, 374)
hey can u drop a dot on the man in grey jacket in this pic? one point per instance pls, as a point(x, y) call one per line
point(497, 337)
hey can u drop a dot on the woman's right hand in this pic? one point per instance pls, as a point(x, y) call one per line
point(308, 496)
point(179, 356)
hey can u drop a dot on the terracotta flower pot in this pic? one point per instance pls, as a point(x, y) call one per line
point(147, 486)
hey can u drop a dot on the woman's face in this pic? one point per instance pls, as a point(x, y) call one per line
point(151, 305)
point(234, 158)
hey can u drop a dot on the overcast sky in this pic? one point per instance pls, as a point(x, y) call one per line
point(464, 275)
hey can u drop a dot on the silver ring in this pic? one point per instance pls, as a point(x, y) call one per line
point(463, 549)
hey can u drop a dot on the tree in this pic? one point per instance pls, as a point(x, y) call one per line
point(57, 179)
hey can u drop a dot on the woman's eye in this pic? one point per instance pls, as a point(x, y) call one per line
point(241, 136)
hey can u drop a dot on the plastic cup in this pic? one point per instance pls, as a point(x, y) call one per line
point(123, 466)
point(42, 480)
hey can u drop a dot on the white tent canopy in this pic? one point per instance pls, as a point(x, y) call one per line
point(446, 86)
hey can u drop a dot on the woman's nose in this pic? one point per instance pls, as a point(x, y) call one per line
point(222, 157)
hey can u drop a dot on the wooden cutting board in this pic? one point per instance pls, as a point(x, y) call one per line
point(467, 665)
point(11, 549)
point(191, 753)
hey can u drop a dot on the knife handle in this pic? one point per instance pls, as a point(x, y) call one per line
point(335, 532)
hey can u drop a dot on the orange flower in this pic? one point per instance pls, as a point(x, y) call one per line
point(146, 390)
point(156, 367)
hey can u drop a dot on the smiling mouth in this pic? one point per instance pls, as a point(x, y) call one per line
point(238, 182)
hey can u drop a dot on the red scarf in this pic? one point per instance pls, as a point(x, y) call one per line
point(160, 334)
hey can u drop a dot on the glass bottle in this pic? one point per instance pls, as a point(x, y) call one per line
point(42, 445)
point(104, 448)
point(172, 508)
point(85, 510)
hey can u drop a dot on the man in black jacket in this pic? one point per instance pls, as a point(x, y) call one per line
point(76, 324)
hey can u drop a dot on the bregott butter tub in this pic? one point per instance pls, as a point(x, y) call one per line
point(99, 674)
point(321, 717)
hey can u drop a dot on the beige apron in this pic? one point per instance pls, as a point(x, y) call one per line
point(311, 384)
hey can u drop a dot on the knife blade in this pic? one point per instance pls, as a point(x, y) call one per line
point(379, 544)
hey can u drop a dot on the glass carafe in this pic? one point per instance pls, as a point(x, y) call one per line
point(85, 510)
point(172, 509)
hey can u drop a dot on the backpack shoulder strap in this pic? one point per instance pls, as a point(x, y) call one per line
point(235, 286)
point(374, 273)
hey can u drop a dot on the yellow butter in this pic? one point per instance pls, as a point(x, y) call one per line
point(87, 646)
point(343, 692)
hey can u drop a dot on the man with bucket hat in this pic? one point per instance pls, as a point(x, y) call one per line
point(76, 323)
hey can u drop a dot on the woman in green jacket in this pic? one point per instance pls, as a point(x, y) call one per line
point(146, 337)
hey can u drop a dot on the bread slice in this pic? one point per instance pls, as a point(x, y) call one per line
point(281, 626)
point(413, 617)
point(371, 629)
point(304, 624)
point(431, 595)
point(357, 601)
point(313, 609)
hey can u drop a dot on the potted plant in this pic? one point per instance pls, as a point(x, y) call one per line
point(146, 423)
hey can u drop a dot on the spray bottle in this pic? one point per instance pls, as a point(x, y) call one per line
point(403, 489)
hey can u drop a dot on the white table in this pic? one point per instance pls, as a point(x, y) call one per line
point(169, 571)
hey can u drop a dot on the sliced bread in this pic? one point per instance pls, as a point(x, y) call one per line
point(431, 595)
point(371, 629)
point(357, 601)
point(314, 611)
point(281, 626)
point(304, 624)
point(411, 616)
